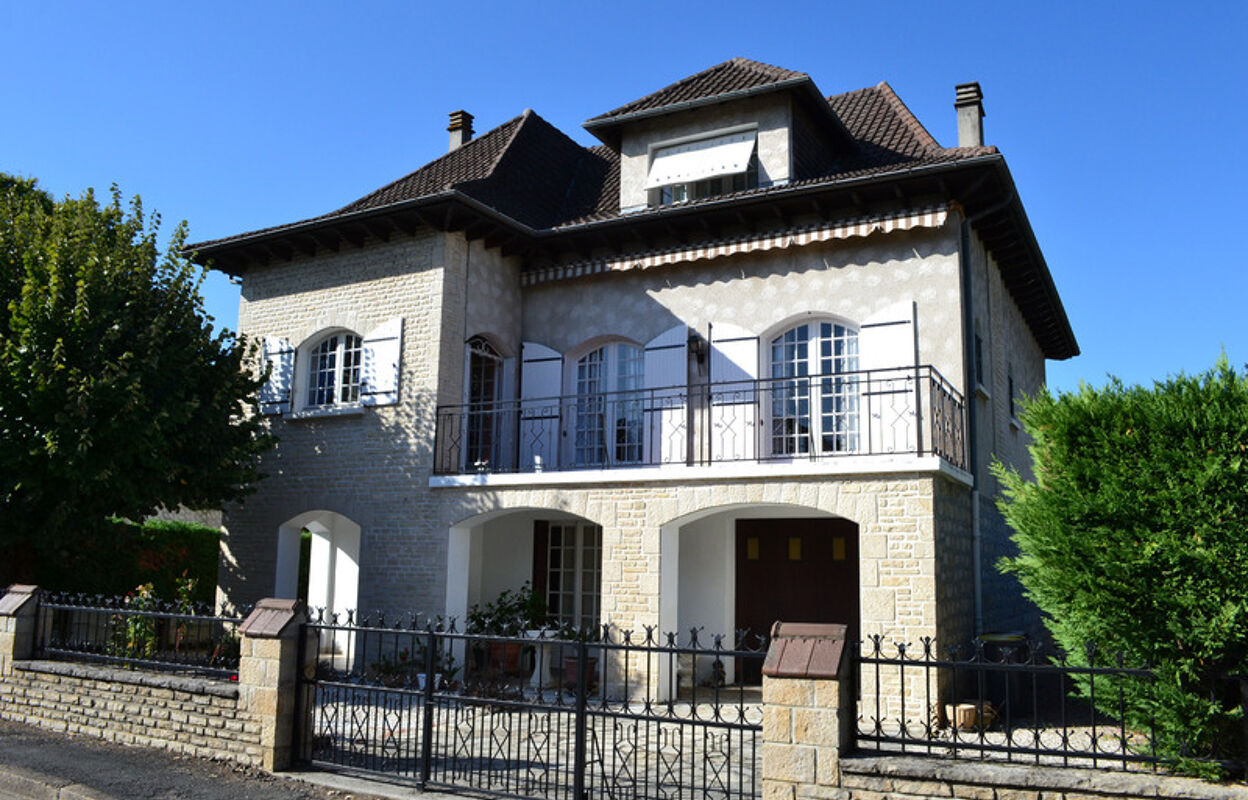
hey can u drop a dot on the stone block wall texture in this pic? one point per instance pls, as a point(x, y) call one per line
point(368, 466)
point(808, 755)
point(910, 778)
point(1009, 350)
point(896, 517)
point(806, 725)
point(250, 720)
point(913, 529)
point(189, 716)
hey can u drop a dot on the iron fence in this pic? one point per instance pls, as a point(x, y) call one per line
point(1012, 700)
point(534, 715)
point(906, 410)
point(139, 631)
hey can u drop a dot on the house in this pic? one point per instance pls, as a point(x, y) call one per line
point(746, 359)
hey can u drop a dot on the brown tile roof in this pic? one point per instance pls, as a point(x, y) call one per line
point(472, 161)
point(886, 135)
point(732, 76)
point(526, 168)
point(531, 172)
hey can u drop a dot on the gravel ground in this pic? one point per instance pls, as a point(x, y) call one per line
point(139, 773)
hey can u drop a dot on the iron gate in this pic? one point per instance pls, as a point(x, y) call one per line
point(537, 715)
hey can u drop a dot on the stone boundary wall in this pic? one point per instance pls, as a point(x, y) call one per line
point(809, 741)
point(249, 721)
point(913, 778)
point(191, 716)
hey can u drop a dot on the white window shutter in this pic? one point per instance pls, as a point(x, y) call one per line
point(886, 356)
point(667, 385)
point(886, 345)
point(379, 379)
point(734, 395)
point(279, 355)
point(541, 375)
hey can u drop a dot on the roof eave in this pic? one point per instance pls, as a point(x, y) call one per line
point(786, 191)
point(204, 252)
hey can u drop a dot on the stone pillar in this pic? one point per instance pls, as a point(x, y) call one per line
point(268, 673)
point(18, 609)
point(808, 711)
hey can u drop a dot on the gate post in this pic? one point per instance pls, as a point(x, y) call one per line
point(809, 710)
point(18, 608)
point(268, 675)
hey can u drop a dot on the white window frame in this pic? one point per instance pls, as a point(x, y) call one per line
point(345, 373)
point(799, 422)
point(601, 396)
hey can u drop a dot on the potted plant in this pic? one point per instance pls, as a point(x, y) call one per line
point(572, 660)
point(509, 614)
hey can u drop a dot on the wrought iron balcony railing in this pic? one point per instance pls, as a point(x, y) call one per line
point(906, 410)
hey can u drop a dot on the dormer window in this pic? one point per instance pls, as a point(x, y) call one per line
point(694, 169)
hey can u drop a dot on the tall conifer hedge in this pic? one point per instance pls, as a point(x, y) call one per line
point(1133, 535)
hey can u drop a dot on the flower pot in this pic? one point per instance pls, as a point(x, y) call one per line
point(970, 716)
point(505, 657)
point(571, 667)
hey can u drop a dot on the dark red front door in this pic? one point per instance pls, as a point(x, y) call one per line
point(795, 570)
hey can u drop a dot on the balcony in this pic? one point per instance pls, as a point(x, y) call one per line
point(906, 410)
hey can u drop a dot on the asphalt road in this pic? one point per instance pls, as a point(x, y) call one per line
point(124, 773)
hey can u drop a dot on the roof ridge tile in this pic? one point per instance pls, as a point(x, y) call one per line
point(711, 82)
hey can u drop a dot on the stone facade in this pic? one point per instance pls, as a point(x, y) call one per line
point(366, 466)
point(899, 518)
point(182, 715)
point(1010, 356)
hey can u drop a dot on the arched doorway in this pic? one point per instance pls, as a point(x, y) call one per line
point(331, 567)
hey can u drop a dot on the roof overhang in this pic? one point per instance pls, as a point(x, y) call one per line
point(446, 211)
point(982, 186)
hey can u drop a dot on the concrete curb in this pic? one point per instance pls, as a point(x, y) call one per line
point(27, 784)
point(363, 787)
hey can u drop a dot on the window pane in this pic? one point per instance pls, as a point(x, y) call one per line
point(485, 367)
point(349, 379)
point(321, 374)
point(834, 395)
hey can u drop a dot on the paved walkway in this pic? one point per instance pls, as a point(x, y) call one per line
point(37, 764)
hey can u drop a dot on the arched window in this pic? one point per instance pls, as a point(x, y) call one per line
point(814, 390)
point(485, 381)
point(608, 383)
point(334, 370)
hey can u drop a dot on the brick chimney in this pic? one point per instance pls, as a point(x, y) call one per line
point(460, 128)
point(970, 108)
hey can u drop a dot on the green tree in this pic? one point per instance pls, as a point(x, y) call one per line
point(1133, 535)
point(116, 394)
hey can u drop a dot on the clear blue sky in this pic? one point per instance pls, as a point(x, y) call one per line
point(1123, 123)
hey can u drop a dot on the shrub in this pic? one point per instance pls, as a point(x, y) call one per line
point(114, 557)
point(1133, 535)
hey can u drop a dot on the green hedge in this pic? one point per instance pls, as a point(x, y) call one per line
point(119, 556)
